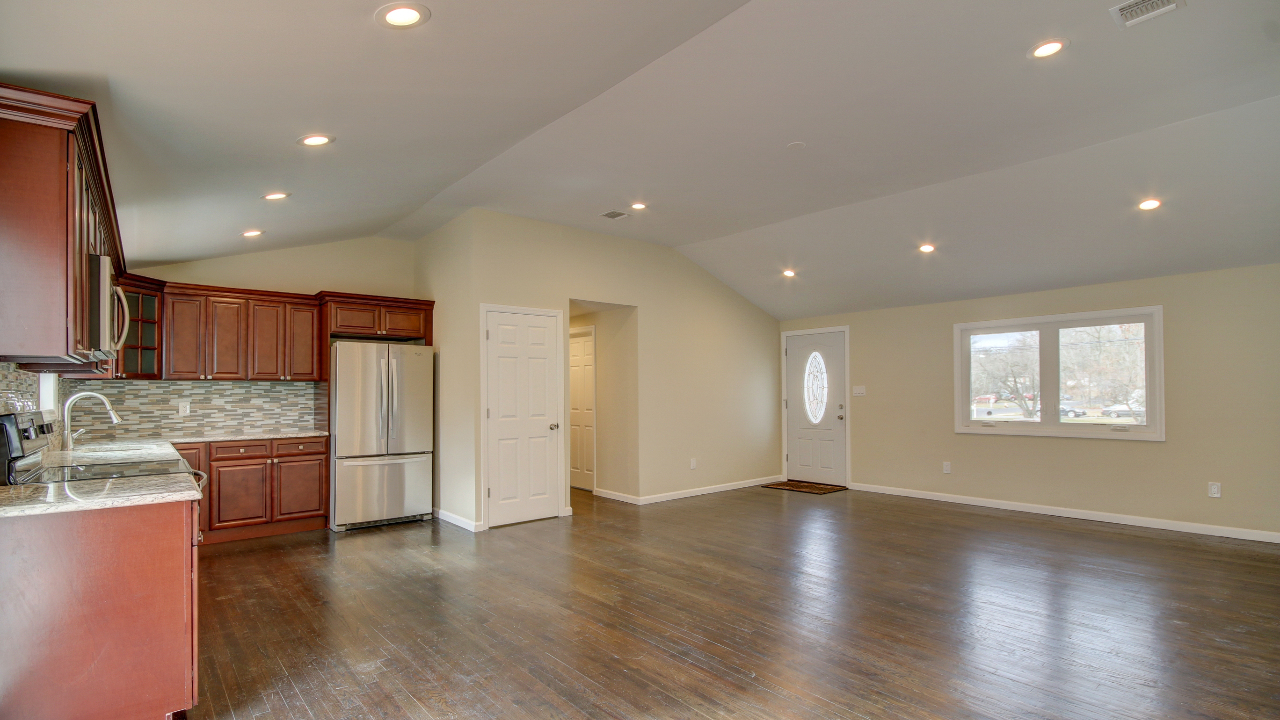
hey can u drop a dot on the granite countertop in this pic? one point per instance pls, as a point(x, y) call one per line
point(246, 436)
point(44, 498)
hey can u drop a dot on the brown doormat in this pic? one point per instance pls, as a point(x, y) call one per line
point(806, 487)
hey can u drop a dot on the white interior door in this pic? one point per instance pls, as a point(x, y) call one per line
point(816, 434)
point(582, 408)
point(524, 398)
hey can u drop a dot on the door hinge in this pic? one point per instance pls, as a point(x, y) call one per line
point(486, 334)
point(784, 402)
point(488, 492)
point(787, 457)
point(486, 412)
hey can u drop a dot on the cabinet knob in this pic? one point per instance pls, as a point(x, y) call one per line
point(241, 449)
point(299, 447)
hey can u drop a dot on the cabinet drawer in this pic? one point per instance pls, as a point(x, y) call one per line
point(299, 446)
point(238, 450)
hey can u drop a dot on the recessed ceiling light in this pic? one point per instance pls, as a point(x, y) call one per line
point(251, 233)
point(796, 145)
point(315, 140)
point(927, 248)
point(789, 273)
point(1047, 48)
point(403, 15)
point(1149, 204)
point(275, 196)
point(638, 206)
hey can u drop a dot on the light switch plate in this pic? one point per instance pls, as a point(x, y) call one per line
point(859, 391)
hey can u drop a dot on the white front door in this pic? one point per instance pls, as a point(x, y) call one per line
point(524, 398)
point(815, 408)
point(582, 408)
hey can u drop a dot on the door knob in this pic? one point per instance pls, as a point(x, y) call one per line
point(555, 426)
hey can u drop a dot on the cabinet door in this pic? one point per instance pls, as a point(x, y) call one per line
point(355, 319)
point(404, 323)
point(266, 341)
point(302, 341)
point(226, 352)
point(241, 492)
point(184, 317)
point(140, 357)
point(197, 456)
point(301, 487)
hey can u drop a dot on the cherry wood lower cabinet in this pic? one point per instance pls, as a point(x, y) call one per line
point(262, 487)
point(99, 613)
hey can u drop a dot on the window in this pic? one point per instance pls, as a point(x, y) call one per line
point(1096, 374)
point(815, 388)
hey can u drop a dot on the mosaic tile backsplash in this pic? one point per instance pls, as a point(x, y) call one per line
point(24, 385)
point(149, 408)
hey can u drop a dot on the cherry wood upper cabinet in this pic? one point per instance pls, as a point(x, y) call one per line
point(302, 342)
point(226, 343)
point(184, 337)
point(369, 315)
point(267, 322)
point(56, 209)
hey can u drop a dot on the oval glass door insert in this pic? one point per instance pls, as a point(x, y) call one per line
point(815, 388)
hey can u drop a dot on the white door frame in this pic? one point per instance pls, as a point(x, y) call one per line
point(848, 435)
point(563, 337)
point(595, 398)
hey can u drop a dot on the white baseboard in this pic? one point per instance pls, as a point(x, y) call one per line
point(461, 522)
point(1135, 520)
point(566, 512)
point(679, 494)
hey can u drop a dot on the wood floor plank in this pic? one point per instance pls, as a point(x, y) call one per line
point(754, 604)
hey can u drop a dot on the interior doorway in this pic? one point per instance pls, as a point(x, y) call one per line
point(815, 380)
point(603, 447)
point(582, 407)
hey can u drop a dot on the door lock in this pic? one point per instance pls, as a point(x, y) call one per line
point(555, 426)
point(839, 417)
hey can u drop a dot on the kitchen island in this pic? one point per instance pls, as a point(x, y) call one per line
point(98, 584)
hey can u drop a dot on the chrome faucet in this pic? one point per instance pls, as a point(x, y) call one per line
point(67, 438)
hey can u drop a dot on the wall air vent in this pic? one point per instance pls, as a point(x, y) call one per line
point(1132, 13)
point(615, 215)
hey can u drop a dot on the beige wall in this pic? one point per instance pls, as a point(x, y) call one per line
point(707, 358)
point(617, 398)
point(371, 266)
point(1222, 369)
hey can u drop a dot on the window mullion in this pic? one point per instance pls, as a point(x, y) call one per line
point(1050, 376)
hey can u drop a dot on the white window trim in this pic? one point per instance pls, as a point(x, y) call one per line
point(1050, 425)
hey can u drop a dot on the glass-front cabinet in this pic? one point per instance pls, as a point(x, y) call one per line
point(139, 358)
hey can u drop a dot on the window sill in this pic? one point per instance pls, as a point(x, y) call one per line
point(1098, 432)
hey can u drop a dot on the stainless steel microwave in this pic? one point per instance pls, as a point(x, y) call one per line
point(108, 310)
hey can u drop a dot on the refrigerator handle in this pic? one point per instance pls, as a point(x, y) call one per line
point(382, 398)
point(395, 398)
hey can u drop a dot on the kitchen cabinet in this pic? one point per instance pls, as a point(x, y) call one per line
point(197, 456)
point(205, 338)
point(283, 341)
point(262, 487)
point(184, 323)
point(57, 215)
point(241, 493)
point(99, 613)
point(366, 315)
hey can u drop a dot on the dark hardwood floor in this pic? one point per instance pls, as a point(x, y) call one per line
point(755, 604)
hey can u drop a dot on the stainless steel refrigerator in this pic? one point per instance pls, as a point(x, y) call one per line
point(381, 433)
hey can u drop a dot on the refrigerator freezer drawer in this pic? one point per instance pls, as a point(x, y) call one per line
point(380, 488)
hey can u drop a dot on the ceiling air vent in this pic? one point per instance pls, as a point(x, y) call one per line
point(615, 215)
point(1132, 13)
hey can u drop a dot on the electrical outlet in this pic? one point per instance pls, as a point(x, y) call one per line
point(184, 407)
point(946, 468)
point(693, 463)
point(1215, 490)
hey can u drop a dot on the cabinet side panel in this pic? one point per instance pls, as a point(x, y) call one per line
point(108, 620)
point(33, 240)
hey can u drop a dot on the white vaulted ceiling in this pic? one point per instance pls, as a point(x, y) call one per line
point(921, 120)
